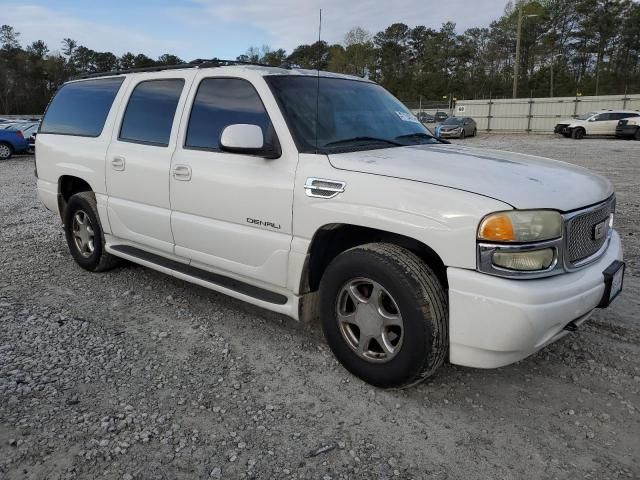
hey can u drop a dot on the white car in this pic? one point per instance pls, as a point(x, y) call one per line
point(409, 250)
point(596, 123)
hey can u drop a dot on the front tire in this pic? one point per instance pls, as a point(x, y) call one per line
point(6, 150)
point(385, 315)
point(84, 234)
point(578, 133)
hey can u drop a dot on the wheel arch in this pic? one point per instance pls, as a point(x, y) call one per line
point(332, 239)
point(69, 185)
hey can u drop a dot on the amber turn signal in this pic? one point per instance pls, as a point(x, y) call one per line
point(497, 228)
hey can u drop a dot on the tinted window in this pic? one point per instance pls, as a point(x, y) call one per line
point(81, 108)
point(150, 112)
point(603, 117)
point(221, 102)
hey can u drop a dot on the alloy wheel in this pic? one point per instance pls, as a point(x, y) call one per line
point(369, 320)
point(83, 233)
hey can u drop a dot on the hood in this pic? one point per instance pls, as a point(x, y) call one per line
point(522, 181)
point(570, 121)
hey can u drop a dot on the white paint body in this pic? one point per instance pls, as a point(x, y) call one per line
point(200, 208)
point(595, 125)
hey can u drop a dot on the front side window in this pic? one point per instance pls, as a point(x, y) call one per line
point(81, 108)
point(331, 115)
point(603, 117)
point(150, 112)
point(585, 116)
point(221, 102)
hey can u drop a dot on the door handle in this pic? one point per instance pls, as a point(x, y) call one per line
point(182, 173)
point(118, 163)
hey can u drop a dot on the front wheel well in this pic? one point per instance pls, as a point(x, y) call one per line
point(68, 185)
point(331, 240)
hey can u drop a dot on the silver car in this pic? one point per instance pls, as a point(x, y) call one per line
point(457, 127)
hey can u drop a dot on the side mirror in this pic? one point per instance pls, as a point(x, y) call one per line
point(247, 139)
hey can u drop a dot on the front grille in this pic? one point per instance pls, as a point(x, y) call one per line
point(622, 123)
point(581, 241)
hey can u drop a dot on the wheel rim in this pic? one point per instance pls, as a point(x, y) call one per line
point(369, 320)
point(83, 233)
point(4, 151)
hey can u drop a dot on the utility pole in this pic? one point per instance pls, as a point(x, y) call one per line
point(551, 84)
point(516, 66)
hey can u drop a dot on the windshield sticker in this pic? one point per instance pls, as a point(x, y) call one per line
point(407, 117)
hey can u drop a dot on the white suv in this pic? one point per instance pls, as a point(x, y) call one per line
point(597, 123)
point(321, 195)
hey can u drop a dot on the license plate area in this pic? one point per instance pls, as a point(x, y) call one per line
point(613, 281)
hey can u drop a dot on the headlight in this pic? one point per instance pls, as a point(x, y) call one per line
point(521, 226)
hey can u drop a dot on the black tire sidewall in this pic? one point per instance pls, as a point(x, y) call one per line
point(76, 203)
point(417, 335)
point(637, 134)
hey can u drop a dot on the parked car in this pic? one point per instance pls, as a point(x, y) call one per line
point(30, 134)
point(628, 128)
point(12, 141)
point(411, 250)
point(457, 127)
point(441, 116)
point(425, 117)
point(596, 123)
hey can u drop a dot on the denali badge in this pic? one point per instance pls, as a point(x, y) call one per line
point(262, 223)
point(600, 229)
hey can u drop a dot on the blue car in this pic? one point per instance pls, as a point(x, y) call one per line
point(12, 141)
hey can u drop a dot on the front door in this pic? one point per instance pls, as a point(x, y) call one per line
point(139, 159)
point(230, 211)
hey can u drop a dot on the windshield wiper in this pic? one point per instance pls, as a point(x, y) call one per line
point(365, 140)
point(422, 135)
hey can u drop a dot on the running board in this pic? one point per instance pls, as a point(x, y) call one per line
point(204, 275)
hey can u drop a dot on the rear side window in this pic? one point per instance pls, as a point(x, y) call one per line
point(221, 102)
point(150, 112)
point(81, 108)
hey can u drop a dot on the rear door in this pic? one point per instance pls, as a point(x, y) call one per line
point(139, 159)
point(232, 212)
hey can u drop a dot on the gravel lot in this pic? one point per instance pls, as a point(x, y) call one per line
point(132, 374)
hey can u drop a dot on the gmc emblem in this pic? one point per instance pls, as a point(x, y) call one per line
point(600, 229)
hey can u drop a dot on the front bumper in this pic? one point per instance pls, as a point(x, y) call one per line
point(496, 321)
point(450, 134)
point(562, 128)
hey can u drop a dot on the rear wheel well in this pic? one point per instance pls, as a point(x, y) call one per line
point(68, 186)
point(331, 240)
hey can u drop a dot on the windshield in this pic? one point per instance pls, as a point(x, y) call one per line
point(586, 116)
point(453, 121)
point(352, 115)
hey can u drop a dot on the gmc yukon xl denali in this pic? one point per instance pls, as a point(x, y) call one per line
point(319, 195)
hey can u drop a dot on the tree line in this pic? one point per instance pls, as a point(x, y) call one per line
point(567, 47)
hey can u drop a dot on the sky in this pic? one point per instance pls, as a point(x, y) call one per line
point(224, 28)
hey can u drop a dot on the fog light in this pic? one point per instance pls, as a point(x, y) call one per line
point(524, 261)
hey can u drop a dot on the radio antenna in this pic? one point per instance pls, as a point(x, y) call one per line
point(318, 77)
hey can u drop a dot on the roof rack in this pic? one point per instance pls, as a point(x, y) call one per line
point(198, 63)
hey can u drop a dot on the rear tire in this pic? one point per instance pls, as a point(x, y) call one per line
point(578, 133)
point(637, 135)
point(6, 150)
point(396, 337)
point(84, 234)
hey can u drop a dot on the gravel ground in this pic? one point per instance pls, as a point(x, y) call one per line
point(132, 374)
